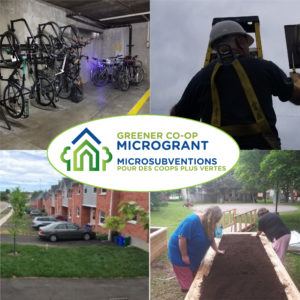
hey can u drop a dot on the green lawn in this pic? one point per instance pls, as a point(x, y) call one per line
point(88, 262)
point(170, 216)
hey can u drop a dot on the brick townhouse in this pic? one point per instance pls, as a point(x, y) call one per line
point(87, 205)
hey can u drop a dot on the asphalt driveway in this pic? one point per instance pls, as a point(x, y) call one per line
point(34, 240)
point(74, 289)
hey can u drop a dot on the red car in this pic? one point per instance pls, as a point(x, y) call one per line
point(188, 204)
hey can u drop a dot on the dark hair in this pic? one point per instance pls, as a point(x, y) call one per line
point(262, 211)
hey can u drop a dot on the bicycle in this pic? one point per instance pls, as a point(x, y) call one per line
point(131, 72)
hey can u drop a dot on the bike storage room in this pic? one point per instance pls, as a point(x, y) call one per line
point(65, 62)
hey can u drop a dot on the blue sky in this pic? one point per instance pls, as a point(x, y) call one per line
point(29, 170)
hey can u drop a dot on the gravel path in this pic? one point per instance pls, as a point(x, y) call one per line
point(242, 208)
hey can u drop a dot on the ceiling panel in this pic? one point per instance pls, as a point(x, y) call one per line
point(100, 9)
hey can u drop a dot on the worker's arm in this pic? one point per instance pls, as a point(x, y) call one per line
point(296, 91)
point(215, 247)
point(183, 249)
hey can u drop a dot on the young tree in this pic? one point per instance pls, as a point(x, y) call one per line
point(18, 201)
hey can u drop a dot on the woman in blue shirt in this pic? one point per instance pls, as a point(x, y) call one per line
point(190, 242)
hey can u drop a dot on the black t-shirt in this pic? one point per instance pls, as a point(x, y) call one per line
point(266, 78)
point(272, 226)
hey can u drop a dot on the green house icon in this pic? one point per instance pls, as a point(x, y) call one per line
point(85, 152)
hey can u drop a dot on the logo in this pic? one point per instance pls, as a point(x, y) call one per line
point(143, 153)
point(84, 154)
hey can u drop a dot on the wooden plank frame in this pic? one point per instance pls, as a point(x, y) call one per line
point(284, 277)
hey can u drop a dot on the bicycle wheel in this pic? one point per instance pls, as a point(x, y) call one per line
point(9, 47)
point(139, 75)
point(124, 80)
point(13, 99)
point(77, 93)
point(46, 91)
point(114, 78)
point(65, 87)
point(100, 77)
point(42, 43)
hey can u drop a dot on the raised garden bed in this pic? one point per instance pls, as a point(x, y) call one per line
point(249, 269)
point(158, 242)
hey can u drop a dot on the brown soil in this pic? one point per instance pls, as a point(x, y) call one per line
point(243, 272)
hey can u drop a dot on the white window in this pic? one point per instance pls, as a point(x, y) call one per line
point(95, 190)
point(77, 211)
point(101, 217)
point(85, 190)
point(103, 192)
point(133, 221)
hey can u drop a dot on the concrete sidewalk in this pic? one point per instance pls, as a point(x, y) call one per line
point(74, 289)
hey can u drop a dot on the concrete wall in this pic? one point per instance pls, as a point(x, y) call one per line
point(115, 42)
point(102, 45)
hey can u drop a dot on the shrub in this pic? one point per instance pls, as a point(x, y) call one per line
point(102, 237)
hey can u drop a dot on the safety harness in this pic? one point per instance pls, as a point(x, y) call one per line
point(261, 124)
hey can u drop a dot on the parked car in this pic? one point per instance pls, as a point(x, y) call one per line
point(61, 218)
point(35, 212)
point(65, 231)
point(28, 210)
point(42, 221)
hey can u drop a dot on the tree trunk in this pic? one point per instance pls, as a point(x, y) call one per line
point(15, 252)
point(265, 197)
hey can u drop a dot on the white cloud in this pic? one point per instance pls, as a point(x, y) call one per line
point(30, 170)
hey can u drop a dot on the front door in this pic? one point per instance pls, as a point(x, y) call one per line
point(92, 216)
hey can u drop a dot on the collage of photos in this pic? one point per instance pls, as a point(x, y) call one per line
point(68, 66)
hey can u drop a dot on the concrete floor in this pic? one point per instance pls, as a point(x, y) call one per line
point(42, 126)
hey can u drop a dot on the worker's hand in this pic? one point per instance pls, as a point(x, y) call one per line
point(220, 251)
point(295, 77)
point(186, 259)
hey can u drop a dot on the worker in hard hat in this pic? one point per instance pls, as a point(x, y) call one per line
point(272, 226)
point(234, 92)
point(190, 242)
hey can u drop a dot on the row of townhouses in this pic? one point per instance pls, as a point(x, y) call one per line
point(87, 205)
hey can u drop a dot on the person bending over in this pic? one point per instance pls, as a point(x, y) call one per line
point(275, 230)
point(190, 242)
